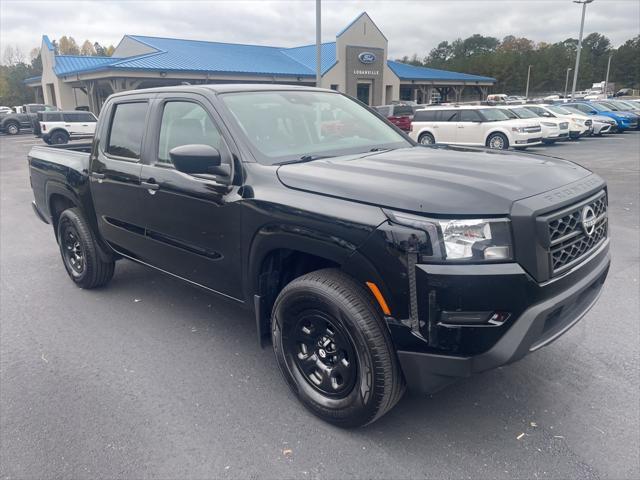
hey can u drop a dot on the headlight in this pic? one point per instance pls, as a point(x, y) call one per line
point(578, 121)
point(517, 129)
point(473, 240)
point(548, 124)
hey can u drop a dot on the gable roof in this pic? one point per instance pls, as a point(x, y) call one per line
point(412, 72)
point(363, 14)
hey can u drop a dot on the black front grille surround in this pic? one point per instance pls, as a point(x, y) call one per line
point(570, 237)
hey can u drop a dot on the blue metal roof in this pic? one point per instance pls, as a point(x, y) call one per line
point(199, 56)
point(411, 72)
point(68, 64)
point(48, 43)
point(307, 56)
point(33, 80)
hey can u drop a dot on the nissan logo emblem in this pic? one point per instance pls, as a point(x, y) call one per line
point(588, 220)
point(367, 57)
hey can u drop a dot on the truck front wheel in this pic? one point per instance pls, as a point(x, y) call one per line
point(333, 349)
point(80, 253)
point(12, 128)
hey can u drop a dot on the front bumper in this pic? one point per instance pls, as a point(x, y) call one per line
point(557, 305)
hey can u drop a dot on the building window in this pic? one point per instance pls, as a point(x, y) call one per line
point(334, 86)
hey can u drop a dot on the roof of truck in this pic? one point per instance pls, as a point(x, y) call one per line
point(225, 88)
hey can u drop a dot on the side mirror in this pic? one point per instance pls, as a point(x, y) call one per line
point(198, 159)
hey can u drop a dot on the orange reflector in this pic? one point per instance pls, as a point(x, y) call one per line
point(376, 293)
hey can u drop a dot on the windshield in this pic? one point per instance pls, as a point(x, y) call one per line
point(598, 107)
point(573, 110)
point(558, 110)
point(524, 113)
point(609, 106)
point(493, 114)
point(626, 105)
point(286, 125)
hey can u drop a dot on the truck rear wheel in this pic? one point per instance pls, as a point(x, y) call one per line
point(80, 253)
point(58, 138)
point(334, 350)
point(12, 128)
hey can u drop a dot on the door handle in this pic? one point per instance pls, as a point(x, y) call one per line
point(98, 176)
point(150, 185)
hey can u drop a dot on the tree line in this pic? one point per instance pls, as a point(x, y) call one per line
point(16, 67)
point(508, 60)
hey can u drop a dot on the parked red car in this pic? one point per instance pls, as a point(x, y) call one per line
point(399, 115)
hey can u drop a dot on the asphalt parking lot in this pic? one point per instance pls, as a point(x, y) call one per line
point(151, 378)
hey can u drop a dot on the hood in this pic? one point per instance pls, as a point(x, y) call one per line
point(437, 181)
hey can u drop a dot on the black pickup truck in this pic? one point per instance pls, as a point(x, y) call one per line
point(369, 261)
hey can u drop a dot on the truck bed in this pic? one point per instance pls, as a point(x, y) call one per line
point(63, 167)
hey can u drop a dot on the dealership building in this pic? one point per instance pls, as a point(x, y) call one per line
point(356, 64)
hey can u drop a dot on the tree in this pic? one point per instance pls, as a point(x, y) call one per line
point(99, 49)
point(109, 50)
point(68, 46)
point(88, 49)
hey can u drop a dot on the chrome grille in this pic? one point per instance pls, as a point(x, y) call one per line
point(568, 239)
point(533, 129)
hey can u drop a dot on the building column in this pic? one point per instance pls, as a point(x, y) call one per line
point(92, 96)
point(484, 91)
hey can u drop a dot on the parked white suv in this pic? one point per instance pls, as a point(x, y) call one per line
point(56, 128)
point(553, 129)
point(475, 126)
point(579, 125)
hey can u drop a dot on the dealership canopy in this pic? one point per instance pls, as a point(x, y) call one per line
point(356, 63)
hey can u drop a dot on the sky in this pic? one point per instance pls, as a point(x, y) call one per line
point(411, 26)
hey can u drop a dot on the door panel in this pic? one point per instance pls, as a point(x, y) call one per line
point(192, 225)
point(115, 176)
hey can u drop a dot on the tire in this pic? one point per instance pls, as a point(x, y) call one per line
point(347, 372)
point(498, 141)
point(12, 128)
point(426, 139)
point(79, 251)
point(59, 138)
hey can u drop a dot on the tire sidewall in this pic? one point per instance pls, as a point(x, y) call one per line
point(429, 136)
point(360, 404)
point(504, 138)
point(59, 136)
point(12, 128)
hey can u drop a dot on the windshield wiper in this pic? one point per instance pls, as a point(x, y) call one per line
point(304, 159)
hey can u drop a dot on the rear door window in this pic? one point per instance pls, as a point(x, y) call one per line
point(126, 130)
point(449, 116)
point(470, 116)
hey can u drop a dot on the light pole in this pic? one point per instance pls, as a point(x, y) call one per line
point(606, 81)
point(318, 45)
point(526, 93)
point(566, 82)
point(575, 71)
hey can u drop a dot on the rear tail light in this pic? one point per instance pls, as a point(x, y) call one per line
point(43, 127)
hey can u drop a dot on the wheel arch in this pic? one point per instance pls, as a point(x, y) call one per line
point(501, 130)
point(276, 259)
point(51, 133)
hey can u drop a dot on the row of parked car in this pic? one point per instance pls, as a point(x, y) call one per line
point(48, 122)
point(513, 126)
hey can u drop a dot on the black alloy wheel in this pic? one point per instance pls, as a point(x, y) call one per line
point(323, 353)
point(73, 253)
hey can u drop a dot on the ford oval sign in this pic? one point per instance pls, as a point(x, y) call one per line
point(367, 57)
